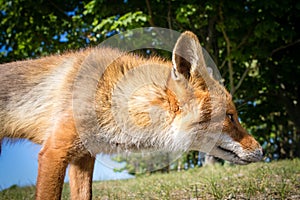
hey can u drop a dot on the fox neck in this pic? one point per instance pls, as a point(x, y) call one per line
point(136, 108)
point(145, 109)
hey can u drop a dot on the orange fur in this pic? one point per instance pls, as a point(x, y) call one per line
point(135, 104)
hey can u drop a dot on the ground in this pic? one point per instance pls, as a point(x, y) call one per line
point(275, 180)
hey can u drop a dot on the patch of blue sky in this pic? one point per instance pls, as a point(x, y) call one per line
point(5, 50)
point(72, 12)
point(19, 165)
point(62, 37)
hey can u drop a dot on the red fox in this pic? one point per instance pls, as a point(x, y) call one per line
point(135, 104)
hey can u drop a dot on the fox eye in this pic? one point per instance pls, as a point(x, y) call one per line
point(230, 116)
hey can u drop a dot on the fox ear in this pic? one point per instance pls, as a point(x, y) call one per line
point(187, 56)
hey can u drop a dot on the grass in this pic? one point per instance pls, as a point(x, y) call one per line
point(275, 180)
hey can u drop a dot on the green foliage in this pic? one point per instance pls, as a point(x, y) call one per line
point(36, 28)
point(254, 43)
point(114, 23)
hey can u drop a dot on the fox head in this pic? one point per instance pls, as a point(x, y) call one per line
point(206, 111)
point(154, 104)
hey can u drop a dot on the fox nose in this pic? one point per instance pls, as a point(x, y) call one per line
point(257, 153)
point(260, 153)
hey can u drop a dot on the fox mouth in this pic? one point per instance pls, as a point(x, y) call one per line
point(233, 156)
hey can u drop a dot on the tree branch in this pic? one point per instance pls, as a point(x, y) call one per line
point(284, 47)
point(228, 49)
point(242, 78)
point(246, 37)
point(169, 18)
point(150, 13)
point(223, 64)
point(210, 39)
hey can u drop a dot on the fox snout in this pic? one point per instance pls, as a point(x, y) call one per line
point(245, 151)
point(252, 152)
